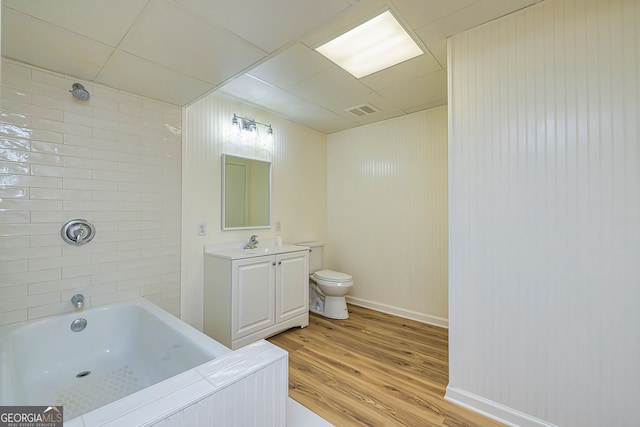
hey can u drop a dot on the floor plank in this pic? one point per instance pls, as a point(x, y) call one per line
point(373, 369)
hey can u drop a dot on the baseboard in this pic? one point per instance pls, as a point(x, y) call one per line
point(400, 312)
point(493, 410)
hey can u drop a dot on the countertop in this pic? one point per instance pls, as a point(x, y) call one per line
point(239, 253)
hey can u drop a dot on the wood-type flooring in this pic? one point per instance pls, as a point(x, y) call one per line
point(373, 369)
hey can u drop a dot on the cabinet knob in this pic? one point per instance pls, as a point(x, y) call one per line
point(279, 262)
point(273, 263)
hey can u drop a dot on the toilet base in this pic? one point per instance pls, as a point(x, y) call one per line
point(334, 308)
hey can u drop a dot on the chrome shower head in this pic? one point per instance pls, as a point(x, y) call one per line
point(79, 92)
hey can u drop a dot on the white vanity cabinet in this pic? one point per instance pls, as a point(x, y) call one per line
point(253, 294)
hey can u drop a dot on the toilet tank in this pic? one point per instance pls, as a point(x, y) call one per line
point(315, 255)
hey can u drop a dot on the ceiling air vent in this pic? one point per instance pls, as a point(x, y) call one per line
point(362, 110)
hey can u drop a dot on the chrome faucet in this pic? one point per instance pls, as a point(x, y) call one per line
point(253, 242)
point(78, 301)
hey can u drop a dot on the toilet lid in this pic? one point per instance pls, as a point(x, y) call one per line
point(333, 276)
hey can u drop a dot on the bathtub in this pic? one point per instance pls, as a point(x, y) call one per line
point(133, 364)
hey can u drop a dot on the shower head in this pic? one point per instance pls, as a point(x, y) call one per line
point(79, 92)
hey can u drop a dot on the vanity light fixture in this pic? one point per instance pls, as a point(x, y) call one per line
point(372, 46)
point(249, 125)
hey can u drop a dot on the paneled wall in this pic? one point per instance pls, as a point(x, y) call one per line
point(113, 160)
point(387, 214)
point(544, 205)
point(299, 184)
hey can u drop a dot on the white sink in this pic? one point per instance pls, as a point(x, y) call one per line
point(260, 250)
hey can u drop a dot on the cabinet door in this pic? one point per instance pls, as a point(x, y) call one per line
point(292, 285)
point(253, 295)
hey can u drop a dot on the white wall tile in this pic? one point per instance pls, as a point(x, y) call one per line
point(64, 159)
point(14, 217)
point(46, 135)
point(11, 168)
point(32, 181)
point(11, 304)
point(544, 208)
point(13, 291)
point(45, 170)
point(18, 229)
point(15, 266)
point(14, 241)
point(44, 287)
point(31, 110)
point(13, 316)
point(31, 254)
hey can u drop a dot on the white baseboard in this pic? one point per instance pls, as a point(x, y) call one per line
point(400, 312)
point(493, 410)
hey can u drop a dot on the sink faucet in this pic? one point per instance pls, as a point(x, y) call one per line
point(78, 301)
point(253, 241)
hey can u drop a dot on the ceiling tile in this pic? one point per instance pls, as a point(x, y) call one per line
point(150, 80)
point(269, 25)
point(50, 47)
point(307, 113)
point(291, 66)
point(428, 89)
point(340, 107)
point(419, 13)
point(104, 21)
point(192, 47)
point(418, 66)
point(248, 87)
point(469, 17)
point(328, 87)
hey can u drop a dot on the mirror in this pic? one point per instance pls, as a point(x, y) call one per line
point(246, 193)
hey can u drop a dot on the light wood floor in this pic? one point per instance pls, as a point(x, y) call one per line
point(373, 369)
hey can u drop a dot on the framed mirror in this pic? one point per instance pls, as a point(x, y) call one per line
point(246, 193)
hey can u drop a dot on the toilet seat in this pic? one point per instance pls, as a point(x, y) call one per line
point(332, 276)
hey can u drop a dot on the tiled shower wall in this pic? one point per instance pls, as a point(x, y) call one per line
point(114, 160)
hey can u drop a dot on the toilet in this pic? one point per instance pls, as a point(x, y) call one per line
point(327, 288)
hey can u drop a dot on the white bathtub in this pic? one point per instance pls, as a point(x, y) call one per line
point(129, 356)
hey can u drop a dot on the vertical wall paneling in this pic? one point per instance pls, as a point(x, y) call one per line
point(544, 215)
point(298, 155)
point(387, 214)
point(113, 160)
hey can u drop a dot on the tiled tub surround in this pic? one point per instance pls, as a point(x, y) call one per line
point(146, 366)
point(114, 160)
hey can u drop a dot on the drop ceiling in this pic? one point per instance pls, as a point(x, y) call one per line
point(260, 52)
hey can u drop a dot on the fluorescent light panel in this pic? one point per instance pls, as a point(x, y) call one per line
point(373, 46)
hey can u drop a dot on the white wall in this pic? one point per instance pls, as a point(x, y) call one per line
point(387, 214)
point(299, 185)
point(113, 160)
point(544, 205)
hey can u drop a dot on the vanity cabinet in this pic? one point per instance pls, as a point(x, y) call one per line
point(249, 295)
